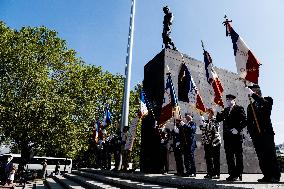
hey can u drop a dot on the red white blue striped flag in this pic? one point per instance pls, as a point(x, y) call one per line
point(170, 104)
point(193, 96)
point(213, 79)
point(247, 63)
point(143, 106)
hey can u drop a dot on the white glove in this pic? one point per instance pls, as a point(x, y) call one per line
point(202, 119)
point(162, 141)
point(249, 92)
point(177, 144)
point(234, 131)
point(176, 130)
point(182, 123)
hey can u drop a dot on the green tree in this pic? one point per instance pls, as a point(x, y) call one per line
point(49, 97)
point(29, 57)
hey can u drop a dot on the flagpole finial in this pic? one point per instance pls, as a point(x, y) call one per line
point(227, 25)
point(202, 45)
point(226, 22)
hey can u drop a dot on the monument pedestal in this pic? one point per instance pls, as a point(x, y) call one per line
point(154, 87)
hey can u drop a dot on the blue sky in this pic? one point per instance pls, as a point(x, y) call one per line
point(98, 31)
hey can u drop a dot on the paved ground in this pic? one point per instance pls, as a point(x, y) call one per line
point(249, 181)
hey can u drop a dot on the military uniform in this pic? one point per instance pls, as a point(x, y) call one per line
point(233, 118)
point(164, 150)
point(264, 140)
point(177, 151)
point(188, 142)
point(108, 151)
point(116, 149)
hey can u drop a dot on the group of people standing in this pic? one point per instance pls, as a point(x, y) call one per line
point(234, 120)
point(108, 145)
point(184, 145)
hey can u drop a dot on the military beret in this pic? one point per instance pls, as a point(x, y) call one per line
point(254, 86)
point(230, 96)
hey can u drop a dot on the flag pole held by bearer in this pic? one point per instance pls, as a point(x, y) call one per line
point(247, 64)
point(253, 111)
point(212, 78)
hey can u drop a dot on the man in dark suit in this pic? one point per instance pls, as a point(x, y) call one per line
point(177, 147)
point(164, 152)
point(234, 120)
point(261, 131)
point(188, 141)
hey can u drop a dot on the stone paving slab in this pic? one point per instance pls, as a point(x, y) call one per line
point(249, 180)
point(52, 184)
point(119, 182)
point(68, 183)
point(88, 183)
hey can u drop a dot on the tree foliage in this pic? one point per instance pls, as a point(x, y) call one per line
point(48, 96)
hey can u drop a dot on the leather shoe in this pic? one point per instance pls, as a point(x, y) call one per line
point(208, 177)
point(264, 179)
point(216, 177)
point(231, 178)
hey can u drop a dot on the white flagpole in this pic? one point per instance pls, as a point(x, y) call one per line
point(126, 95)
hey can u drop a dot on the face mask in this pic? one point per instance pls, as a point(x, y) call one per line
point(230, 103)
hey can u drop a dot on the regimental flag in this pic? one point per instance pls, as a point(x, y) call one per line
point(143, 106)
point(107, 117)
point(247, 63)
point(213, 79)
point(170, 104)
point(194, 98)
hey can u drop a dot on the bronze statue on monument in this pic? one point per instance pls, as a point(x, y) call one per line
point(168, 20)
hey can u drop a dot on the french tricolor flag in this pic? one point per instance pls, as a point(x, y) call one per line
point(213, 79)
point(247, 63)
point(143, 106)
point(194, 97)
point(170, 104)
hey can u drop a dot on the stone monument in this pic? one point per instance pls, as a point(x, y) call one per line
point(154, 85)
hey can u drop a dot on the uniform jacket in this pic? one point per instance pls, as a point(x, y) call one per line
point(176, 138)
point(187, 133)
point(236, 118)
point(262, 107)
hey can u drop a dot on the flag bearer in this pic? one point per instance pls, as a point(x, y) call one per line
point(261, 131)
point(189, 144)
point(234, 120)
